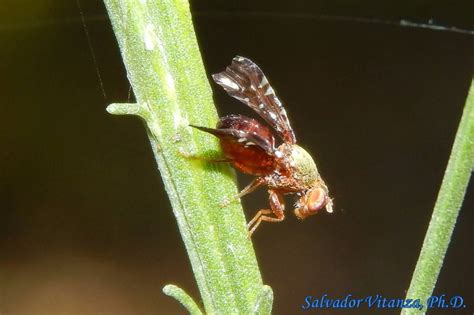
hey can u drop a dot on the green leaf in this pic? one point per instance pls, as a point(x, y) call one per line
point(446, 210)
point(164, 66)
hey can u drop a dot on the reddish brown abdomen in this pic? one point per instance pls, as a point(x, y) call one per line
point(253, 152)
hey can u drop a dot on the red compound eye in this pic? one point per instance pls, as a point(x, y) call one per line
point(316, 199)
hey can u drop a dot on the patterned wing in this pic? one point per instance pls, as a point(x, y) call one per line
point(244, 81)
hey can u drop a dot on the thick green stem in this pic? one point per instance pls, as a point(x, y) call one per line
point(446, 210)
point(165, 69)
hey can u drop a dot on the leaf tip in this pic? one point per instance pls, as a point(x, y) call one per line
point(127, 109)
point(182, 297)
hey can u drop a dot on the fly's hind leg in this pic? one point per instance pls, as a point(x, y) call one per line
point(277, 206)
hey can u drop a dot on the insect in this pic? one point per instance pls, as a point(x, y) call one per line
point(250, 147)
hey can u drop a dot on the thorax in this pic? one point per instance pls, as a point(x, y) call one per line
point(295, 169)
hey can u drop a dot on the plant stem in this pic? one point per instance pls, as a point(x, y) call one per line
point(446, 210)
point(164, 66)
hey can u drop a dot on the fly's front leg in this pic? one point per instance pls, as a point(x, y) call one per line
point(257, 182)
point(277, 206)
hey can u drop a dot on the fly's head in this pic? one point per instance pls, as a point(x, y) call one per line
point(313, 200)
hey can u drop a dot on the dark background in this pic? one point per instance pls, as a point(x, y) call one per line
point(85, 224)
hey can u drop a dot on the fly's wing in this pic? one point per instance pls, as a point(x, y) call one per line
point(244, 81)
point(243, 138)
point(238, 137)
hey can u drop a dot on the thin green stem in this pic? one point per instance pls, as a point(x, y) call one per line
point(446, 210)
point(165, 69)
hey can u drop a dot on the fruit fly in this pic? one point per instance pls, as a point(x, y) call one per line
point(250, 147)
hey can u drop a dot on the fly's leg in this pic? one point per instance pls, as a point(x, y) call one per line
point(277, 206)
point(257, 217)
point(257, 182)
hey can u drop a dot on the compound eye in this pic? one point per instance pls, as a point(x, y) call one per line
point(316, 199)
